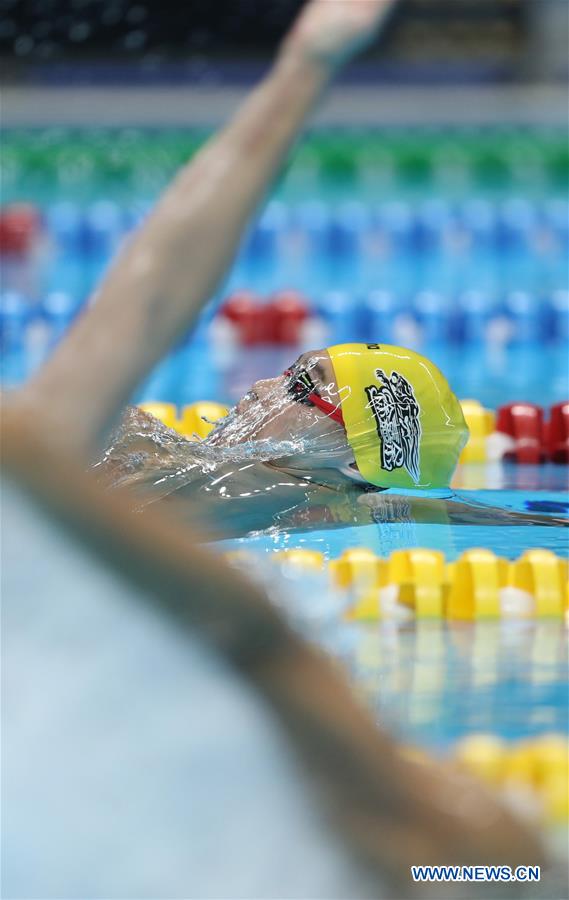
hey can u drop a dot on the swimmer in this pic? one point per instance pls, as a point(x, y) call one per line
point(302, 448)
point(315, 446)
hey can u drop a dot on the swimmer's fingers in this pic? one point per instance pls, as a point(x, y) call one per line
point(333, 31)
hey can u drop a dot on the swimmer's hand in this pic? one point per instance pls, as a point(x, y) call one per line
point(331, 32)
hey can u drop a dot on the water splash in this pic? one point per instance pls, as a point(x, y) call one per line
point(144, 453)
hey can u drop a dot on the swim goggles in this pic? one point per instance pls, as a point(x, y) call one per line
point(303, 390)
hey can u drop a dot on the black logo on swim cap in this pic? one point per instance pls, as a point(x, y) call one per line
point(396, 414)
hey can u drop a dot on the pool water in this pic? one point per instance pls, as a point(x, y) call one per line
point(509, 541)
point(471, 267)
point(433, 683)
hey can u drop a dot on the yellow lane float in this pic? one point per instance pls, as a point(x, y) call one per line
point(536, 766)
point(481, 424)
point(543, 575)
point(164, 412)
point(420, 575)
point(302, 560)
point(478, 586)
point(477, 579)
point(358, 569)
point(195, 421)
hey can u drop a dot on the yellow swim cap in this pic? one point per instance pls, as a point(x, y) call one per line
point(402, 420)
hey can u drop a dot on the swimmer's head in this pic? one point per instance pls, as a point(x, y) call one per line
point(403, 422)
point(378, 413)
point(294, 415)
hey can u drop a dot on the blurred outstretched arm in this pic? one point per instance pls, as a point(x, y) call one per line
point(392, 811)
point(165, 275)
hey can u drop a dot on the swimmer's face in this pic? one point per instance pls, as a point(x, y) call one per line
point(277, 410)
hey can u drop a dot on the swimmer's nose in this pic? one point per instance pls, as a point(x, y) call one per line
point(265, 387)
point(259, 391)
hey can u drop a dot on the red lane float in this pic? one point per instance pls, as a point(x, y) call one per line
point(243, 309)
point(20, 226)
point(279, 321)
point(524, 423)
point(558, 437)
point(287, 312)
point(536, 440)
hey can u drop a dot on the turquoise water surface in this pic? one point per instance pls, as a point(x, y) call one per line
point(429, 682)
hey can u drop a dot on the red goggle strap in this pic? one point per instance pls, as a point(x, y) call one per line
point(331, 409)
